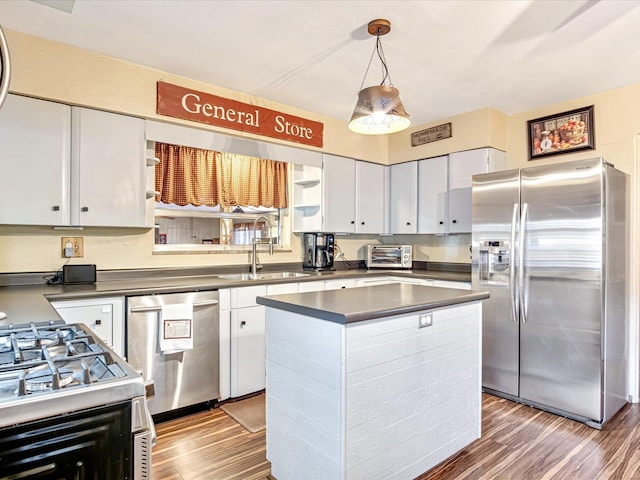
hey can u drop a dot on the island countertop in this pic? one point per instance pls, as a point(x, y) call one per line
point(365, 303)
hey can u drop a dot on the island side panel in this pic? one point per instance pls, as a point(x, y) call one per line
point(413, 394)
point(305, 396)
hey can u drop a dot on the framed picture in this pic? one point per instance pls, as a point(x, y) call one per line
point(561, 133)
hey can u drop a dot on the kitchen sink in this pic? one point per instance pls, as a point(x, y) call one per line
point(262, 276)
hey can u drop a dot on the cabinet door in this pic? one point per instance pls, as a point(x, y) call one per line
point(403, 198)
point(34, 162)
point(432, 195)
point(98, 318)
point(450, 284)
point(462, 167)
point(339, 283)
point(370, 282)
point(317, 286)
point(248, 353)
point(108, 168)
point(339, 194)
point(371, 197)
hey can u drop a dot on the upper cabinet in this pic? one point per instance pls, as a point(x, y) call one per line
point(65, 165)
point(403, 198)
point(34, 162)
point(354, 195)
point(339, 194)
point(108, 160)
point(432, 195)
point(371, 197)
point(445, 188)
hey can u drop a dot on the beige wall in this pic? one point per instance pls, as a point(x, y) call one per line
point(481, 128)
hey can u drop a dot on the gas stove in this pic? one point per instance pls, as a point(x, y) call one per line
point(59, 367)
point(67, 404)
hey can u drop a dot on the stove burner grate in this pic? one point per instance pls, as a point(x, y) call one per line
point(46, 380)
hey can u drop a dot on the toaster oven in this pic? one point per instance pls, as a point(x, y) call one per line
point(389, 256)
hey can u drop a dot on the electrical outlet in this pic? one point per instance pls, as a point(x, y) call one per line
point(72, 247)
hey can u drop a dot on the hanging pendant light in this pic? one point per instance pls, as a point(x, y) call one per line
point(379, 109)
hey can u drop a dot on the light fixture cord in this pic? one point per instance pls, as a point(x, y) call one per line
point(385, 70)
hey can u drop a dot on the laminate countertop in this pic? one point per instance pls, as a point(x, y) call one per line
point(30, 303)
point(366, 303)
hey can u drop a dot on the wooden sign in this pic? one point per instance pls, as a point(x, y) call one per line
point(180, 102)
point(433, 134)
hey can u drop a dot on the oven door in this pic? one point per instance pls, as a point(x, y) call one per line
point(82, 445)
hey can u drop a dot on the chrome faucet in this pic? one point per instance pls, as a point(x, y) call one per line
point(256, 241)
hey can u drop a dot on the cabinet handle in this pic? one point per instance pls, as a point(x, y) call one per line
point(441, 223)
point(55, 208)
point(408, 223)
point(362, 223)
point(454, 221)
point(84, 209)
point(242, 323)
point(352, 222)
point(98, 322)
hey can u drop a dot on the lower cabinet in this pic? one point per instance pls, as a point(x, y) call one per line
point(247, 350)
point(450, 284)
point(105, 316)
point(247, 355)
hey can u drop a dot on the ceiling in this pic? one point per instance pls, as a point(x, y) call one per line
point(445, 57)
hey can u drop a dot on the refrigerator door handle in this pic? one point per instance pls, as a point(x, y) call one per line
point(512, 264)
point(523, 219)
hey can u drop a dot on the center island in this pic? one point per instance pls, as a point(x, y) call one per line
point(371, 382)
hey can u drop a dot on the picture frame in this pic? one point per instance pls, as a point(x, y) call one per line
point(565, 132)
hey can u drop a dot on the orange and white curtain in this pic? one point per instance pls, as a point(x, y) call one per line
point(192, 176)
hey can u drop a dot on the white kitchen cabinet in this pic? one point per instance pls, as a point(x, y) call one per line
point(316, 286)
point(462, 167)
point(354, 195)
point(68, 166)
point(105, 316)
point(247, 334)
point(339, 283)
point(432, 195)
point(413, 281)
point(339, 177)
point(370, 282)
point(35, 161)
point(403, 198)
point(371, 197)
point(108, 162)
point(282, 288)
point(248, 356)
point(450, 284)
point(444, 191)
point(307, 198)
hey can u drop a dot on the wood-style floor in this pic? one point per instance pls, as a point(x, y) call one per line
point(518, 443)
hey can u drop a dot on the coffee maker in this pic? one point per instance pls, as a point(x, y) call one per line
point(318, 251)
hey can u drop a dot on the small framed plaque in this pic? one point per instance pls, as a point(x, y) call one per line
point(431, 134)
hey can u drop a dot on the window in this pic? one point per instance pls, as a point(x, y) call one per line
point(212, 200)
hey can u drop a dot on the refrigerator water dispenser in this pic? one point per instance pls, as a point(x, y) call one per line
point(494, 262)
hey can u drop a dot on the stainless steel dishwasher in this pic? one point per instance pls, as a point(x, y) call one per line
point(186, 376)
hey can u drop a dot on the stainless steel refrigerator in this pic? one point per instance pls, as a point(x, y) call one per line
point(550, 244)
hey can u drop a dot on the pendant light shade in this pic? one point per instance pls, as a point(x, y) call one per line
point(379, 109)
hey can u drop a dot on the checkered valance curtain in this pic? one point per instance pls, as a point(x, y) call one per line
point(192, 176)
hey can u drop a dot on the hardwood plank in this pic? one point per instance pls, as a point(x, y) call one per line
point(518, 442)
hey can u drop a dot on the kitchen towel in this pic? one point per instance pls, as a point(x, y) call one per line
point(175, 331)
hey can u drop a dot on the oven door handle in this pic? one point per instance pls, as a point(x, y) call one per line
point(157, 308)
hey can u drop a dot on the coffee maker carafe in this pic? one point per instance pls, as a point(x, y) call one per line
point(318, 251)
